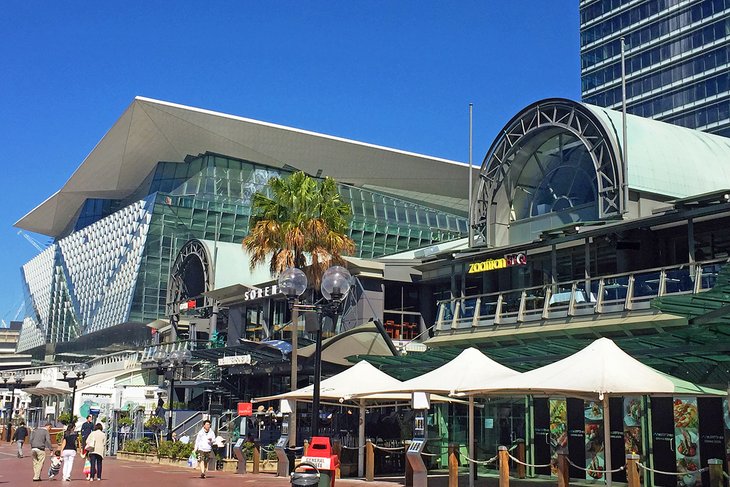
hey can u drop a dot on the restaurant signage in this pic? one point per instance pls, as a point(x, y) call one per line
point(261, 292)
point(508, 260)
point(235, 360)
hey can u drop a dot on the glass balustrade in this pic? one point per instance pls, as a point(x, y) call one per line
point(602, 294)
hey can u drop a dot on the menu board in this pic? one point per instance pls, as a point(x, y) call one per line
point(576, 436)
point(726, 421)
point(594, 440)
point(712, 437)
point(558, 431)
point(541, 437)
point(686, 441)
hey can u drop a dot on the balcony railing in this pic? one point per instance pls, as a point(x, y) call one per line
point(602, 294)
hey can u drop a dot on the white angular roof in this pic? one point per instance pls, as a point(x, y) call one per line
point(150, 131)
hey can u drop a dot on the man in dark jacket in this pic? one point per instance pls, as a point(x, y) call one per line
point(21, 433)
point(86, 429)
point(40, 441)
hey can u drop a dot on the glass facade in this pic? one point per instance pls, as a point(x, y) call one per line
point(113, 267)
point(677, 66)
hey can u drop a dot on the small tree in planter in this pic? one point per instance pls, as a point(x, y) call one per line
point(65, 418)
point(155, 424)
point(125, 424)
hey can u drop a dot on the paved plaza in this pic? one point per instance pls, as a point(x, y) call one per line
point(18, 472)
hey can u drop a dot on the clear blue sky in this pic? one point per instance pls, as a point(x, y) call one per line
point(394, 73)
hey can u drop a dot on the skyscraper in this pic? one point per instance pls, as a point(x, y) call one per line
point(677, 59)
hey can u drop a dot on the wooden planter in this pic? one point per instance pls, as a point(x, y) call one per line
point(230, 465)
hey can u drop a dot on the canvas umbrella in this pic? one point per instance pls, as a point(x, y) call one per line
point(470, 369)
point(361, 380)
point(598, 371)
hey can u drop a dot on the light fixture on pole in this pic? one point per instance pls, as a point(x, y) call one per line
point(167, 364)
point(15, 379)
point(335, 284)
point(72, 374)
point(292, 283)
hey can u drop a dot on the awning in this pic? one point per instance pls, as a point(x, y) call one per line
point(576, 326)
point(365, 339)
point(49, 388)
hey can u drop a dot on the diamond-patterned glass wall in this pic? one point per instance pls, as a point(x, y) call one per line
point(114, 268)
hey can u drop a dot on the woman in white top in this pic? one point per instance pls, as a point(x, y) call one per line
point(204, 447)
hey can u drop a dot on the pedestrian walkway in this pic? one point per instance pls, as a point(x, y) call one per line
point(18, 472)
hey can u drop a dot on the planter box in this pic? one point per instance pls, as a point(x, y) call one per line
point(175, 463)
point(268, 466)
point(138, 457)
point(230, 465)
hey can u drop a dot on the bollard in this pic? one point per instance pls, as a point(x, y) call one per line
point(563, 472)
point(337, 450)
point(409, 468)
point(716, 479)
point(369, 461)
point(453, 466)
point(632, 470)
point(521, 469)
point(305, 448)
point(256, 458)
point(503, 466)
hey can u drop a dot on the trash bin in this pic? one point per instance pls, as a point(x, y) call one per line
point(320, 456)
point(305, 478)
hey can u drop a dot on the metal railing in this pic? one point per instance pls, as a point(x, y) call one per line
point(602, 294)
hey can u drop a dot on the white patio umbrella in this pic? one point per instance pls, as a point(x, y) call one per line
point(359, 380)
point(598, 371)
point(470, 369)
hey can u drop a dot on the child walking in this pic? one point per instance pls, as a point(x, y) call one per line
point(55, 466)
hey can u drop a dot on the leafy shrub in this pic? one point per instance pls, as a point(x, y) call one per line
point(125, 421)
point(155, 423)
point(65, 418)
point(139, 446)
point(175, 450)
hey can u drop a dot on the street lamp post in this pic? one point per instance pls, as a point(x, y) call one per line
point(16, 378)
point(336, 282)
point(79, 373)
point(167, 364)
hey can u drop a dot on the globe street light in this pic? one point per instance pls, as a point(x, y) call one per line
point(77, 372)
point(293, 282)
point(336, 283)
point(16, 378)
point(167, 364)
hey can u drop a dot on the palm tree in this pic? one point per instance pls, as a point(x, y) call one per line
point(302, 218)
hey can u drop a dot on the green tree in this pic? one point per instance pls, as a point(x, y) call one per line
point(302, 218)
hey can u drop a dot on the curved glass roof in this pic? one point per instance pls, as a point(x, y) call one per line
point(670, 160)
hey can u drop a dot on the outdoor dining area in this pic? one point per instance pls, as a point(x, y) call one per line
point(673, 429)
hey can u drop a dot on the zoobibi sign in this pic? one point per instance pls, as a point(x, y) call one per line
point(494, 264)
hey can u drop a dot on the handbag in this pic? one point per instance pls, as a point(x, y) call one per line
point(193, 460)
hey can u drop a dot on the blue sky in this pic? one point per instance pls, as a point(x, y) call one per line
point(393, 73)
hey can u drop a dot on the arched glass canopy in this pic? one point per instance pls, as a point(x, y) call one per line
point(555, 163)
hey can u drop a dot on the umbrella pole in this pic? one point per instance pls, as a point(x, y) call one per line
point(607, 440)
point(472, 466)
point(361, 440)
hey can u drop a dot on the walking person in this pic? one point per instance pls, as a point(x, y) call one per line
point(204, 447)
point(40, 441)
point(55, 467)
point(69, 445)
point(95, 444)
point(19, 436)
point(86, 429)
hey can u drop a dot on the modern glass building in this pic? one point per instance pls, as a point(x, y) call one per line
point(122, 218)
point(677, 59)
